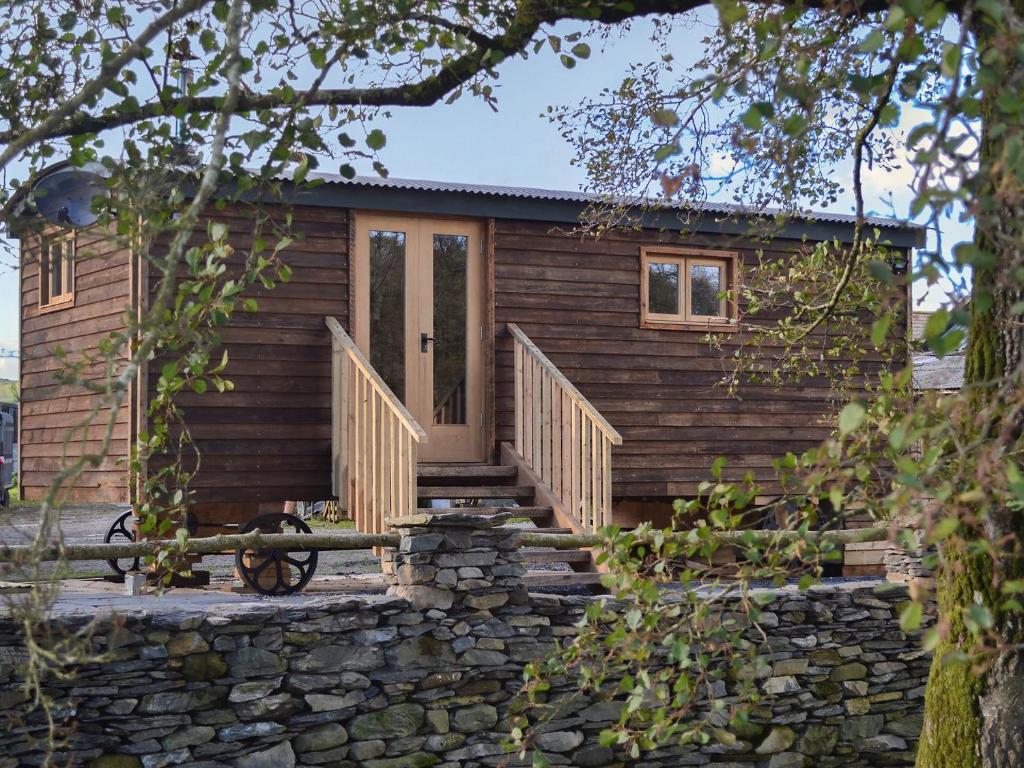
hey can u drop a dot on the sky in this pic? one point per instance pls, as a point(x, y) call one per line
point(468, 142)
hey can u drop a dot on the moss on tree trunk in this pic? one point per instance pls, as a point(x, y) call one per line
point(970, 719)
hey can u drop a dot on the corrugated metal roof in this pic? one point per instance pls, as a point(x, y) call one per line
point(585, 198)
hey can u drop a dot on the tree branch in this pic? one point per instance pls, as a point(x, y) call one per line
point(489, 51)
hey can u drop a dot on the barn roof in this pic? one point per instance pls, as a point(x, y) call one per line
point(456, 198)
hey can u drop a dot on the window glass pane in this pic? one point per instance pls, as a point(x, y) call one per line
point(705, 285)
point(69, 264)
point(387, 308)
point(56, 269)
point(663, 288)
point(450, 303)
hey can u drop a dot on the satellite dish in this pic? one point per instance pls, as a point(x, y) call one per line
point(64, 195)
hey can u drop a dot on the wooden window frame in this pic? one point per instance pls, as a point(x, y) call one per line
point(728, 261)
point(66, 298)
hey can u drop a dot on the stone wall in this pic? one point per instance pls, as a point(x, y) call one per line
point(396, 682)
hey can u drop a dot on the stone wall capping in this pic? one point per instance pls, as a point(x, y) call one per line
point(442, 519)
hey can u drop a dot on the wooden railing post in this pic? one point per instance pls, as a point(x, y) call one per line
point(561, 436)
point(373, 439)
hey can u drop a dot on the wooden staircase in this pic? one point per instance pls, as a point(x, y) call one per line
point(488, 489)
point(556, 475)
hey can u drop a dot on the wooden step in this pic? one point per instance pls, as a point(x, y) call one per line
point(556, 555)
point(590, 580)
point(534, 513)
point(475, 492)
point(469, 474)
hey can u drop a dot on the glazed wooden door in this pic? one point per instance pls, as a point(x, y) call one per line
point(419, 321)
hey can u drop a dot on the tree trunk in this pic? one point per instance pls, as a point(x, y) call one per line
point(975, 719)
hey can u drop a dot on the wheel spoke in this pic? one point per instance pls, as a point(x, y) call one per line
point(262, 566)
point(281, 584)
point(297, 563)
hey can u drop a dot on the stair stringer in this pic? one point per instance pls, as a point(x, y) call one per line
point(545, 497)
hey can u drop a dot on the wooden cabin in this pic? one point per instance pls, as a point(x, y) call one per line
point(445, 341)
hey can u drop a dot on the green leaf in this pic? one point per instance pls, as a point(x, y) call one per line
point(873, 42)
point(581, 51)
point(896, 18)
point(567, 61)
point(851, 417)
point(881, 271)
point(910, 617)
point(717, 466)
point(978, 618)
point(991, 8)
point(944, 528)
point(754, 117)
point(950, 60)
point(376, 139)
point(666, 117)
point(880, 329)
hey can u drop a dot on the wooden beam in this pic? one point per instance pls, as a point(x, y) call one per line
point(209, 545)
point(731, 538)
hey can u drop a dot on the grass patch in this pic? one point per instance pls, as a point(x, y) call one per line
point(341, 525)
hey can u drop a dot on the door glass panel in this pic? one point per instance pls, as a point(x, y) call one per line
point(387, 308)
point(663, 288)
point(450, 304)
point(705, 284)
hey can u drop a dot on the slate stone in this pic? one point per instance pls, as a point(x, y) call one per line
point(415, 760)
point(204, 667)
point(480, 717)
point(779, 739)
point(322, 737)
point(364, 750)
point(852, 671)
point(255, 662)
point(819, 740)
point(189, 737)
point(592, 757)
point(559, 741)
point(279, 756)
point(241, 731)
point(856, 729)
point(393, 722)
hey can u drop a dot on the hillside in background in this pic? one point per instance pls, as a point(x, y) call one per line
point(8, 391)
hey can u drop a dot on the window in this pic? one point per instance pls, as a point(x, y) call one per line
point(57, 271)
point(688, 288)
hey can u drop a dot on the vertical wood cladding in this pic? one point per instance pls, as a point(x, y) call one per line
point(270, 438)
point(49, 409)
point(579, 300)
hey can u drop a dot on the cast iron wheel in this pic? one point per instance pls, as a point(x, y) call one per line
point(279, 572)
point(121, 531)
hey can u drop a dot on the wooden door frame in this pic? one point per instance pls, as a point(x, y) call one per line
point(359, 309)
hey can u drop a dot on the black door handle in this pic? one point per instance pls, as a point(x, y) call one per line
point(424, 340)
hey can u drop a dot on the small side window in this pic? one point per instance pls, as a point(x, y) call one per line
point(688, 288)
point(57, 271)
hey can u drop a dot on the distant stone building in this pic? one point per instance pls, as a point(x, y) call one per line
point(931, 372)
